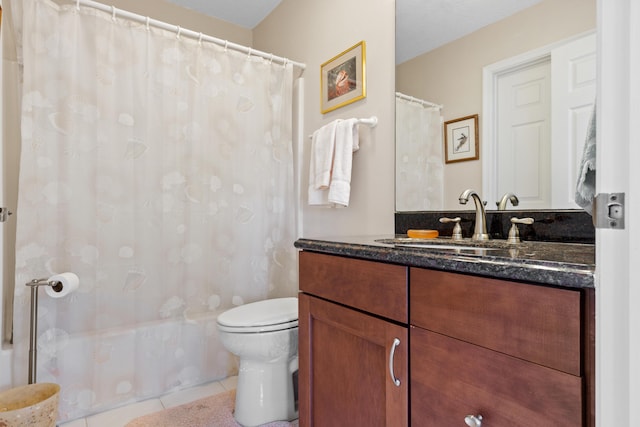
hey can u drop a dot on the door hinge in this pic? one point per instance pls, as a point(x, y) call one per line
point(608, 211)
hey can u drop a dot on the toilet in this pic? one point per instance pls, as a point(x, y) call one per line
point(264, 335)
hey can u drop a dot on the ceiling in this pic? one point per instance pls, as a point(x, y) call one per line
point(245, 13)
point(421, 25)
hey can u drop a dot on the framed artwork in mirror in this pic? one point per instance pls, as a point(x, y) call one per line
point(461, 139)
point(342, 78)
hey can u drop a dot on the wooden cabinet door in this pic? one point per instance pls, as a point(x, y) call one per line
point(451, 379)
point(345, 367)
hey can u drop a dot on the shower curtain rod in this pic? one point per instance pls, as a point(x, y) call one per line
point(189, 33)
point(419, 101)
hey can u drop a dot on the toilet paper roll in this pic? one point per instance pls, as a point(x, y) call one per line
point(67, 283)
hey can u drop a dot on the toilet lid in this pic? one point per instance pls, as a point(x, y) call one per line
point(258, 315)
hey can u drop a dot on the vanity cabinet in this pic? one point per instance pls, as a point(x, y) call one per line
point(508, 352)
point(515, 354)
point(353, 346)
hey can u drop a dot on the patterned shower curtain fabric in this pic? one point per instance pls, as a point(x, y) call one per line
point(419, 165)
point(160, 171)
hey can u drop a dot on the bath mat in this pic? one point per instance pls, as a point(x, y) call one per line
point(213, 411)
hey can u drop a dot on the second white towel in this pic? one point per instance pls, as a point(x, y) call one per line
point(346, 144)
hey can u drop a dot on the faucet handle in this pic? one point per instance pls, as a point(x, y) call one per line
point(514, 233)
point(457, 230)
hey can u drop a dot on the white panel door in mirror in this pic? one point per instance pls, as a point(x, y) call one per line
point(523, 136)
point(574, 92)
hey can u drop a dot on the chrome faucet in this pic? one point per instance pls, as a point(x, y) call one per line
point(502, 204)
point(480, 230)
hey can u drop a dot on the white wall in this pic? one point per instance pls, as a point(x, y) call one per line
point(5, 352)
point(186, 18)
point(313, 32)
point(8, 197)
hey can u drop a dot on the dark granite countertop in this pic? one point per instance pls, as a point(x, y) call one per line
point(561, 264)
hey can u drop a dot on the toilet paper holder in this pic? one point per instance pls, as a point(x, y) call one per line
point(57, 286)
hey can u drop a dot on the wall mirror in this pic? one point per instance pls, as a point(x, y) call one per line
point(512, 63)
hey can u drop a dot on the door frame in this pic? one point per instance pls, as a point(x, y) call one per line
point(617, 254)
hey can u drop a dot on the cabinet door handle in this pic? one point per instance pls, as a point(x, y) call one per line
point(396, 342)
point(473, 421)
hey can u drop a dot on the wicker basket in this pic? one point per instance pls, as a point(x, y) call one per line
point(30, 405)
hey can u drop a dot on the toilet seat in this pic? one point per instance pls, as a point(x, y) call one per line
point(262, 316)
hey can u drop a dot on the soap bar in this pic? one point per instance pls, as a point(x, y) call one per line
point(423, 234)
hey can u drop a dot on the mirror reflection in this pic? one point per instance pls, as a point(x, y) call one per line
point(530, 76)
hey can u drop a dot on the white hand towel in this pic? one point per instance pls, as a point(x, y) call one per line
point(322, 150)
point(346, 144)
point(586, 186)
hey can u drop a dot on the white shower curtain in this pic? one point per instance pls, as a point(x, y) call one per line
point(160, 171)
point(419, 167)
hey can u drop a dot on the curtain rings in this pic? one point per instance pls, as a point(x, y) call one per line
point(113, 13)
point(148, 23)
point(200, 40)
point(249, 54)
point(226, 43)
point(178, 33)
point(78, 5)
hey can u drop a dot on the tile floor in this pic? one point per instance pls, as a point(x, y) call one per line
point(119, 417)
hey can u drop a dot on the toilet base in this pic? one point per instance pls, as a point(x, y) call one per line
point(266, 392)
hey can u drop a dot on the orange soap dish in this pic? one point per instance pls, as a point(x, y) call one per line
point(422, 234)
